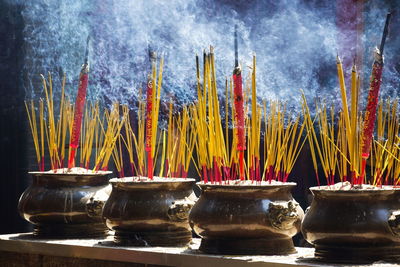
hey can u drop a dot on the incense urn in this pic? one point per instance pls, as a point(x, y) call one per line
point(251, 219)
point(66, 205)
point(145, 212)
point(357, 225)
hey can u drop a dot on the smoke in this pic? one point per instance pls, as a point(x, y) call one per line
point(295, 43)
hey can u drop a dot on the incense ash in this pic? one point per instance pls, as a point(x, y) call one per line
point(347, 186)
point(74, 171)
point(240, 183)
point(145, 179)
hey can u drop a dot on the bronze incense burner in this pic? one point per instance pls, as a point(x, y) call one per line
point(246, 219)
point(66, 205)
point(150, 213)
point(357, 226)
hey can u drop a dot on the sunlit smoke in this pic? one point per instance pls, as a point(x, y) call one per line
point(295, 44)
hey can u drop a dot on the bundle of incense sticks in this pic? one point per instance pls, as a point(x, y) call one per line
point(325, 142)
point(180, 144)
point(90, 134)
point(173, 152)
point(47, 128)
point(283, 142)
point(168, 152)
point(217, 151)
point(140, 141)
point(347, 147)
point(207, 126)
point(69, 121)
point(337, 141)
point(110, 128)
point(385, 157)
point(342, 156)
point(53, 129)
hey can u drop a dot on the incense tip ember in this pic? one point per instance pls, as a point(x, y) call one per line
point(354, 67)
point(338, 61)
point(237, 70)
point(377, 55)
point(152, 54)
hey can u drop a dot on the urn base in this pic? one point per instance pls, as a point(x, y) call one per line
point(249, 246)
point(357, 255)
point(179, 238)
point(71, 231)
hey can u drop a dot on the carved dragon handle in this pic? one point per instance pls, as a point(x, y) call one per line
point(394, 222)
point(179, 210)
point(283, 215)
point(94, 207)
point(95, 203)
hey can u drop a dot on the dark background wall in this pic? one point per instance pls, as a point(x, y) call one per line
point(13, 128)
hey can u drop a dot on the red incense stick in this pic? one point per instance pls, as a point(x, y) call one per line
point(79, 106)
point(149, 119)
point(370, 113)
point(239, 109)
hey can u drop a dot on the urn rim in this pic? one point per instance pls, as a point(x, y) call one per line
point(49, 173)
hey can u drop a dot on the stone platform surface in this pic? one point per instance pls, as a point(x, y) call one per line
point(27, 250)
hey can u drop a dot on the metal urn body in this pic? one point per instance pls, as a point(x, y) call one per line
point(66, 205)
point(246, 220)
point(150, 213)
point(355, 226)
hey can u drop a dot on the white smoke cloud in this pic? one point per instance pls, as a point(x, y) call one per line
point(295, 45)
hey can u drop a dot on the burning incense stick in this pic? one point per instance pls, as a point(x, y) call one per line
point(352, 146)
point(152, 109)
point(370, 113)
point(54, 130)
point(149, 117)
point(239, 109)
point(79, 107)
